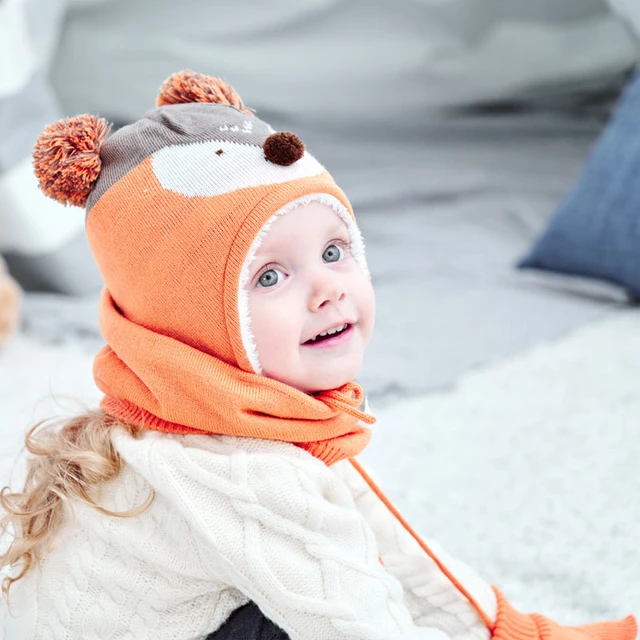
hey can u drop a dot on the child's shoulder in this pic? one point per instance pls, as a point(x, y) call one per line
point(215, 444)
point(152, 452)
point(199, 470)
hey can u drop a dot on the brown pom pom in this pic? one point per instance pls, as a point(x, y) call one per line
point(66, 158)
point(188, 86)
point(283, 148)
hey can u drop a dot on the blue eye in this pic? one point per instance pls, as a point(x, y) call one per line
point(333, 253)
point(270, 278)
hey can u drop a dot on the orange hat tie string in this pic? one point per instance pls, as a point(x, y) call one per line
point(456, 583)
point(347, 399)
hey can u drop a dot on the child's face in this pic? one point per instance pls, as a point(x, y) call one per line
point(304, 281)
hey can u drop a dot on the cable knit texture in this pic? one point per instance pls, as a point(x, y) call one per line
point(238, 519)
point(429, 595)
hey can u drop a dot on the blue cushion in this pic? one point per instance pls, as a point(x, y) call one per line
point(596, 230)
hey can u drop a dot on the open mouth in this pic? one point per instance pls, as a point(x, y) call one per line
point(330, 334)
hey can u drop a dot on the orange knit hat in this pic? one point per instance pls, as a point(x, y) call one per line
point(176, 204)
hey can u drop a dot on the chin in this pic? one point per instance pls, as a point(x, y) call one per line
point(333, 380)
point(313, 379)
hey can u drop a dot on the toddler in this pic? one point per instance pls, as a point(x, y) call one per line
point(220, 470)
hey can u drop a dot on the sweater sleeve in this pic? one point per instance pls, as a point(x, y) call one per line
point(280, 527)
point(430, 596)
point(434, 600)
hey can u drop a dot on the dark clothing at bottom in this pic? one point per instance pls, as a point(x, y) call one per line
point(248, 623)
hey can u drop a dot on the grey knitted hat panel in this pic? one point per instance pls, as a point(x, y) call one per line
point(176, 124)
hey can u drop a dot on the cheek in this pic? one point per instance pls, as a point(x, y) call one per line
point(273, 321)
point(367, 309)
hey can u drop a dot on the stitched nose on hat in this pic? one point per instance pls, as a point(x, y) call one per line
point(283, 148)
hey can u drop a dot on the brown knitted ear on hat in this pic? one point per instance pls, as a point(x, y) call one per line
point(188, 86)
point(66, 158)
point(283, 148)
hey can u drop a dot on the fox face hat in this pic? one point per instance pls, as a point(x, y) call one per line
point(177, 204)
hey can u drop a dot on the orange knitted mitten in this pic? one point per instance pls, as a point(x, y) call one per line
point(513, 625)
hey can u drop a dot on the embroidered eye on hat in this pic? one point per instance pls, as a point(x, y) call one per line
point(176, 205)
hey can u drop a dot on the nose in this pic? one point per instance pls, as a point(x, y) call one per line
point(327, 288)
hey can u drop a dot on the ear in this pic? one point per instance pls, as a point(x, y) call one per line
point(187, 86)
point(66, 158)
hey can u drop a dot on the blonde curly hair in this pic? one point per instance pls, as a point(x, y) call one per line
point(69, 460)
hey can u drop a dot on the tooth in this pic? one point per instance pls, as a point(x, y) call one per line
point(330, 332)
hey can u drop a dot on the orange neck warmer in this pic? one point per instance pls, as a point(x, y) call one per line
point(156, 382)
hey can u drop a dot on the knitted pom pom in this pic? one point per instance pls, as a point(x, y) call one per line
point(66, 158)
point(283, 148)
point(188, 86)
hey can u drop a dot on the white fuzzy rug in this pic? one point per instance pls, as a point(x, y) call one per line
point(529, 470)
point(39, 381)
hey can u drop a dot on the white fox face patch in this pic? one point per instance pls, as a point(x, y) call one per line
point(215, 167)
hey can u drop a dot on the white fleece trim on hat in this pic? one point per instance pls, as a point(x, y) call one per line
point(357, 251)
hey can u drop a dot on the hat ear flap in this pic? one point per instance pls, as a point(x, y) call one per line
point(66, 158)
point(187, 86)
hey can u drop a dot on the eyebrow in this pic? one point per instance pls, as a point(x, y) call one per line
point(340, 224)
point(336, 226)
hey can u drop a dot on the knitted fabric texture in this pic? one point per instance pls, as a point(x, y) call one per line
point(237, 520)
point(513, 625)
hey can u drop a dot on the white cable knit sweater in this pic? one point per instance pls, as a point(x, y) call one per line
point(237, 519)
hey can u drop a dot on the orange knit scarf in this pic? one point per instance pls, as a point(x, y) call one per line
point(154, 381)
